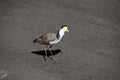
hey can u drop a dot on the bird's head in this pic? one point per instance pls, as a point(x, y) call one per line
point(65, 28)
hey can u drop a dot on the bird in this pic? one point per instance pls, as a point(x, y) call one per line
point(51, 38)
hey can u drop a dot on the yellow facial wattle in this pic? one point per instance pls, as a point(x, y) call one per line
point(66, 29)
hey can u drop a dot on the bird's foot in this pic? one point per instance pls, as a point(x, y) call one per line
point(53, 59)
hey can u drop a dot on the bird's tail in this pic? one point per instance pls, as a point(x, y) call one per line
point(36, 41)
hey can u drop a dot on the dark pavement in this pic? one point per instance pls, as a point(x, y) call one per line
point(90, 51)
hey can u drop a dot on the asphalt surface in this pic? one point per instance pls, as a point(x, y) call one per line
point(90, 51)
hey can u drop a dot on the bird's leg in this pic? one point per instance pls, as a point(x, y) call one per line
point(50, 50)
point(46, 51)
point(51, 53)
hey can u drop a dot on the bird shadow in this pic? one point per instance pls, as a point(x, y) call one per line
point(42, 53)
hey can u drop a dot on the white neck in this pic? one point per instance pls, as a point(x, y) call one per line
point(61, 33)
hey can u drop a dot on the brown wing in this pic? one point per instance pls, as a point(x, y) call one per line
point(47, 38)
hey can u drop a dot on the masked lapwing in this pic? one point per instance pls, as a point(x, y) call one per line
point(49, 39)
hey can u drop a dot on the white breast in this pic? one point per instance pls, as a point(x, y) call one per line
point(61, 33)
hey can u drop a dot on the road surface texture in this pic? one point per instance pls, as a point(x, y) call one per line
point(90, 51)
